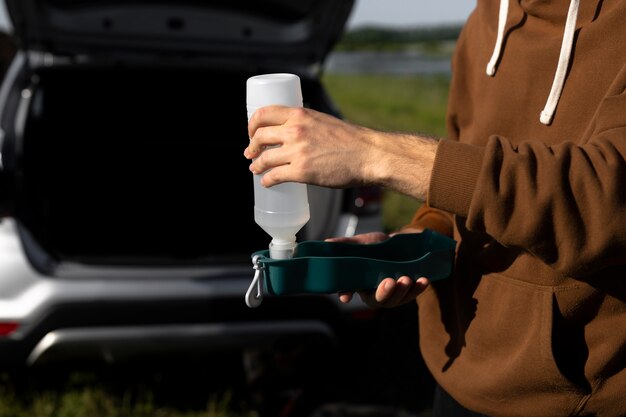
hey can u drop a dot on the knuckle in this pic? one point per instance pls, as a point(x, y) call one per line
point(304, 165)
point(259, 163)
point(253, 124)
point(297, 130)
point(263, 158)
point(258, 114)
point(272, 176)
point(299, 113)
point(259, 134)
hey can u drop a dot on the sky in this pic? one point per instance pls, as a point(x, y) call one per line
point(384, 12)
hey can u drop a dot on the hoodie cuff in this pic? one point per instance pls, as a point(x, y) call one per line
point(454, 176)
point(433, 219)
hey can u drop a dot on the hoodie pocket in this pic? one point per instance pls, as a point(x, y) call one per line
point(503, 352)
point(522, 316)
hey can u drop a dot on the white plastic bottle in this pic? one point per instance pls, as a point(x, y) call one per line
point(283, 209)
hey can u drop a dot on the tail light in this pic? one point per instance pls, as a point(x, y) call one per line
point(364, 200)
point(7, 328)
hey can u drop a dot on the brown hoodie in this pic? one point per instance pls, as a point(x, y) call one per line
point(533, 321)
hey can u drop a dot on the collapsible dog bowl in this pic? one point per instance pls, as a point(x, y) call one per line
point(330, 267)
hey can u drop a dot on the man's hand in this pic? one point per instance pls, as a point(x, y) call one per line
point(291, 144)
point(315, 148)
point(390, 292)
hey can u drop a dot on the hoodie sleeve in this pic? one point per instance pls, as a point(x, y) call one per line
point(565, 204)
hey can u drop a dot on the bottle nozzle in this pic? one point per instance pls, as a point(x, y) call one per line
point(282, 249)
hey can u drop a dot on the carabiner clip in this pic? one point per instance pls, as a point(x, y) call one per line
point(254, 300)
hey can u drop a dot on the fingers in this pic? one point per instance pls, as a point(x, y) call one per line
point(265, 137)
point(363, 238)
point(278, 175)
point(270, 158)
point(345, 297)
point(268, 126)
point(392, 293)
point(268, 116)
point(411, 229)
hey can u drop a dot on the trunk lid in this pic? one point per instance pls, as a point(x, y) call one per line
point(299, 33)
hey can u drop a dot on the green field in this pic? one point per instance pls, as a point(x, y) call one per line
point(393, 103)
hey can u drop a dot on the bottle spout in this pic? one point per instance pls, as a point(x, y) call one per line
point(282, 249)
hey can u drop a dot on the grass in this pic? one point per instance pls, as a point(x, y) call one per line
point(414, 104)
point(94, 393)
point(98, 402)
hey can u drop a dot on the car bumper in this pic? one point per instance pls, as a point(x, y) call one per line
point(125, 343)
point(120, 313)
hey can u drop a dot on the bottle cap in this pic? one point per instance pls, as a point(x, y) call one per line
point(282, 249)
point(273, 89)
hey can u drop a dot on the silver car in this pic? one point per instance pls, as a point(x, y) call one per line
point(127, 205)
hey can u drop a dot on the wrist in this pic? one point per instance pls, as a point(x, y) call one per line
point(404, 163)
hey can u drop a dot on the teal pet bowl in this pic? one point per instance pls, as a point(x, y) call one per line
point(320, 267)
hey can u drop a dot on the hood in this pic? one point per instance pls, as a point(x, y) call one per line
point(298, 32)
point(554, 13)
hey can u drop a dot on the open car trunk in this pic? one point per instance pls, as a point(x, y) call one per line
point(126, 142)
point(144, 165)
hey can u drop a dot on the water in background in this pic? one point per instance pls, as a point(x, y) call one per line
point(386, 62)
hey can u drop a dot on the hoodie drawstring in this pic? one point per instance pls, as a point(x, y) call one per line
point(504, 12)
point(564, 56)
point(561, 69)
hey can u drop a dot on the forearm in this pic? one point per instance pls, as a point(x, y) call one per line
point(316, 148)
point(403, 163)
